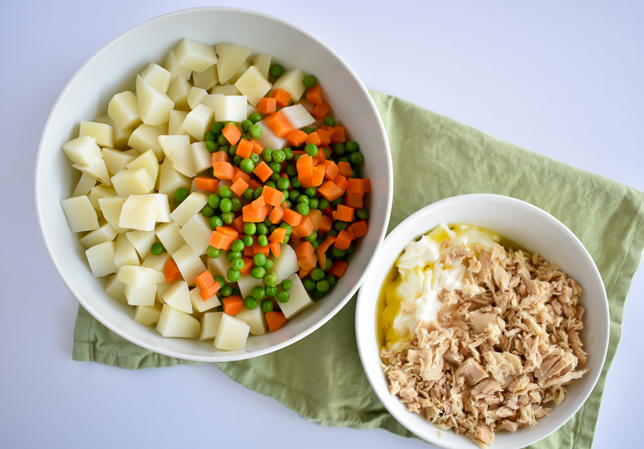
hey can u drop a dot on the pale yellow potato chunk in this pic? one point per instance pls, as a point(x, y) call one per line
point(174, 323)
point(101, 259)
point(80, 214)
point(232, 333)
point(102, 132)
point(231, 57)
point(253, 85)
point(157, 77)
point(123, 110)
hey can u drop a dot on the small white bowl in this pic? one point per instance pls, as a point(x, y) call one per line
point(113, 70)
point(529, 227)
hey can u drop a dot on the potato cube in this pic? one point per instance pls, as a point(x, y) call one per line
point(292, 81)
point(189, 207)
point(219, 266)
point(299, 298)
point(194, 55)
point(199, 304)
point(104, 233)
point(141, 296)
point(228, 89)
point(125, 253)
point(255, 319)
point(154, 106)
point(177, 150)
point(201, 156)
point(178, 92)
point(297, 116)
point(196, 232)
point(174, 323)
point(102, 132)
point(139, 212)
point(210, 101)
point(157, 77)
point(83, 150)
point(268, 138)
point(85, 184)
point(133, 182)
point(116, 160)
point(175, 122)
point(205, 79)
point(146, 137)
point(178, 296)
point(170, 179)
point(232, 333)
point(97, 193)
point(115, 288)
point(169, 236)
point(111, 207)
point(174, 68)
point(147, 315)
point(253, 84)
point(142, 241)
point(263, 63)
point(196, 96)
point(189, 264)
point(231, 108)
point(161, 288)
point(209, 325)
point(147, 160)
point(156, 261)
point(123, 110)
point(231, 57)
point(101, 259)
point(197, 122)
point(246, 283)
point(80, 214)
point(97, 171)
point(138, 277)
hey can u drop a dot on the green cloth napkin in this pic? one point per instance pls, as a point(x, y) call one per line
point(434, 157)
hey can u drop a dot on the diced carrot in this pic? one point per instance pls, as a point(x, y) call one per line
point(338, 268)
point(294, 239)
point(279, 124)
point(321, 110)
point(309, 263)
point(248, 251)
point(263, 171)
point(322, 250)
point(343, 240)
point(275, 248)
point(321, 157)
point(291, 217)
point(227, 231)
point(304, 166)
point(296, 137)
point(325, 136)
point(258, 202)
point(317, 178)
point(355, 185)
point(353, 200)
point(239, 186)
point(254, 184)
point(338, 135)
point(304, 250)
point(223, 170)
point(257, 146)
point(367, 185)
point(204, 280)
point(314, 94)
point(238, 174)
point(330, 191)
point(345, 169)
point(238, 224)
point(359, 228)
point(220, 240)
point(267, 105)
point(316, 217)
point(231, 133)
point(248, 265)
point(272, 196)
point(276, 215)
point(344, 213)
point(282, 97)
point(257, 248)
point(278, 235)
point(219, 156)
point(233, 304)
point(341, 182)
point(252, 215)
point(171, 271)
point(206, 184)
point(327, 223)
point(244, 148)
point(305, 228)
point(313, 138)
point(331, 170)
point(212, 290)
point(274, 320)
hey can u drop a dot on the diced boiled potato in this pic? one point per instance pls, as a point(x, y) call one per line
point(286, 264)
point(246, 283)
point(174, 68)
point(101, 259)
point(170, 179)
point(104, 233)
point(169, 236)
point(163, 207)
point(201, 156)
point(253, 84)
point(133, 182)
point(146, 315)
point(306, 104)
point(206, 79)
point(85, 184)
point(121, 136)
point(102, 132)
point(125, 253)
point(292, 81)
point(83, 150)
point(146, 137)
point(80, 214)
point(138, 277)
point(174, 323)
point(268, 138)
point(196, 233)
point(299, 298)
point(147, 160)
point(209, 325)
point(97, 171)
point(97, 193)
point(297, 116)
point(189, 264)
point(199, 304)
point(142, 241)
point(161, 288)
point(156, 261)
point(231, 57)
point(139, 212)
point(123, 110)
point(250, 110)
point(219, 265)
point(116, 160)
point(157, 77)
point(178, 92)
point(196, 96)
point(154, 106)
point(240, 71)
point(263, 63)
point(228, 89)
point(141, 296)
point(175, 122)
point(111, 207)
point(232, 333)
point(255, 319)
point(210, 101)
point(189, 207)
point(177, 149)
point(178, 296)
point(197, 122)
point(115, 288)
point(231, 108)
point(194, 55)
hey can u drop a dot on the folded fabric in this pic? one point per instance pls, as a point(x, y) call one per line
point(434, 157)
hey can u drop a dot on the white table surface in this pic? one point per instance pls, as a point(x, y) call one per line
point(563, 79)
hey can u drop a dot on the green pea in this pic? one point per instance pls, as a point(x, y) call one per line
point(181, 194)
point(303, 208)
point(311, 149)
point(270, 279)
point(209, 136)
point(221, 140)
point(255, 117)
point(237, 264)
point(225, 192)
point(236, 291)
point(207, 211)
point(267, 155)
point(248, 240)
point(249, 195)
point(329, 121)
point(215, 222)
point(211, 145)
point(214, 200)
point(228, 217)
point(332, 233)
point(309, 284)
point(225, 291)
point(213, 252)
point(157, 248)
point(283, 184)
point(247, 166)
point(323, 286)
point(259, 260)
point(310, 192)
point(286, 226)
point(255, 158)
point(224, 149)
point(269, 263)
point(271, 184)
point(352, 146)
point(276, 71)
point(219, 280)
point(295, 183)
point(217, 127)
point(258, 292)
point(262, 239)
point(311, 238)
point(303, 199)
point(291, 170)
point(275, 166)
point(340, 226)
point(250, 303)
point(288, 153)
point(255, 131)
point(268, 224)
point(246, 125)
point(262, 229)
point(362, 214)
point(331, 280)
point(237, 160)
point(267, 305)
point(237, 245)
point(250, 228)
point(257, 272)
point(283, 296)
point(323, 203)
point(351, 249)
point(315, 244)
point(356, 158)
point(233, 275)
point(337, 252)
point(232, 255)
point(232, 151)
point(293, 195)
point(328, 264)
point(313, 203)
point(279, 156)
point(258, 192)
point(237, 204)
point(286, 284)
point(327, 152)
point(339, 149)
point(309, 81)
point(226, 205)
point(336, 202)
point(317, 294)
point(307, 130)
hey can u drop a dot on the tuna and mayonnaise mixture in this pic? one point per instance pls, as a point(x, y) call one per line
point(477, 338)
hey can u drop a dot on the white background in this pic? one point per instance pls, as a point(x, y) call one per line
point(564, 80)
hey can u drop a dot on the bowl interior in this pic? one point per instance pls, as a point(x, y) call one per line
point(113, 69)
point(529, 227)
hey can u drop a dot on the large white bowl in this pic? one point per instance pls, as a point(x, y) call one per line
point(529, 227)
point(113, 69)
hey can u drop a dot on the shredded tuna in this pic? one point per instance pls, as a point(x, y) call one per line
point(497, 360)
